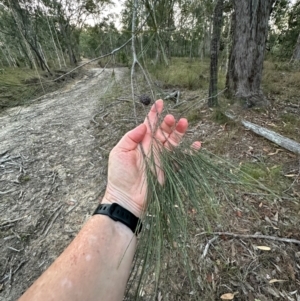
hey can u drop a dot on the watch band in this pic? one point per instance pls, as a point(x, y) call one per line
point(120, 214)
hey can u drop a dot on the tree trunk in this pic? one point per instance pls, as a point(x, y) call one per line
point(67, 38)
point(54, 44)
point(296, 54)
point(250, 29)
point(214, 51)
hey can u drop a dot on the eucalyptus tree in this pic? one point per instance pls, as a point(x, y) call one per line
point(26, 16)
point(215, 45)
point(294, 26)
point(99, 39)
point(159, 22)
point(14, 47)
point(296, 53)
point(250, 29)
point(284, 29)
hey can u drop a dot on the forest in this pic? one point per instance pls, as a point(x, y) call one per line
point(75, 75)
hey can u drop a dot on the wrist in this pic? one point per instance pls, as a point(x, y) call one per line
point(109, 199)
point(114, 228)
point(120, 214)
point(116, 196)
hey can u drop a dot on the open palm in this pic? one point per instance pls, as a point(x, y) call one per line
point(127, 184)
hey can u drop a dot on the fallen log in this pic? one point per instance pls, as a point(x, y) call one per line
point(278, 139)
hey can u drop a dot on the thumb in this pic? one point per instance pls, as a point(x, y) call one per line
point(131, 139)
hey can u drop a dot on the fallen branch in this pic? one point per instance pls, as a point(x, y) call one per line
point(207, 246)
point(12, 221)
point(13, 272)
point(282, 239)
point(6, 192)
point(173, 96)
point(55, 213)
point(278, 139)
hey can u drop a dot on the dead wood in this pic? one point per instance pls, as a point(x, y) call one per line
point(276, 138)
point(254, 236)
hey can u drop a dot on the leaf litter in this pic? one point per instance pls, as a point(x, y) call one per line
point(55, 153)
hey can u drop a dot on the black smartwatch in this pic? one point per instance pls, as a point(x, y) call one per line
point(120, 214)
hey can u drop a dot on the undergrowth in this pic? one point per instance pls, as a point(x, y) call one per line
point(281, 80)
point(185, 73)
point(202, 193)
point(18, 86)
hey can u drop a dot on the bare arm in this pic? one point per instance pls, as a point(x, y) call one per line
point(95, 266)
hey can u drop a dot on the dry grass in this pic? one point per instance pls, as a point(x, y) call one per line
point(185, 73)
point(281, 81)
point(18, 86)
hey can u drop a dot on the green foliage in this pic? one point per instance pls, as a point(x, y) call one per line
point(259, 171)
point(193, 117)
point(282, 80)
point(198, 188)
point(122, 58)
point(99, 39)
point(182, 72)
point(220, 117)
point(13, 90)
point(48, 33)
point(18, 86)
point(291, 122)
point(24, 178)
point(283, 35)
point(256, 171)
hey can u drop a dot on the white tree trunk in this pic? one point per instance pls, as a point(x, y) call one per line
point(54, 44)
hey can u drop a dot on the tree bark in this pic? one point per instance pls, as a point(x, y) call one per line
point(214, 51)
point(250, 29)
point(296, 54)
point(67, 39)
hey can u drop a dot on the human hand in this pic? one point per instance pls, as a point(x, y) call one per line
point(127, 183)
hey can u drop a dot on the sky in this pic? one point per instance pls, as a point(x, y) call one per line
point(115, 9)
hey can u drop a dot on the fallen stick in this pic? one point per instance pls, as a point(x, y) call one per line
point(207, 246)
point(278, 139)
point(13, 272)
point(255, 236)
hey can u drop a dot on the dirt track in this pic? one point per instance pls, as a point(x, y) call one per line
point(52, 170)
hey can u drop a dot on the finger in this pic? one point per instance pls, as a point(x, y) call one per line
point(168, 124)
point(153, 115)
point(165, 129)
point(196, 145)
point(178, 133)
point(131, 139)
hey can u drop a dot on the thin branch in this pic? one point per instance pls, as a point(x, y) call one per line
point(135, 60)
point(208, 245)
point(200, 101)
point(55, 214)
point(6, 192)
point(256, 236)
point(12, 221)
point(95, 59)
point(13, 272)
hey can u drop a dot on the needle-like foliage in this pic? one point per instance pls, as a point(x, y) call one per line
point(199, 194)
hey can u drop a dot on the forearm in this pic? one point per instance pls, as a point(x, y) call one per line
point(95, 266)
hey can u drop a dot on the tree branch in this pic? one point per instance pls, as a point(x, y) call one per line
point(256, 236)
